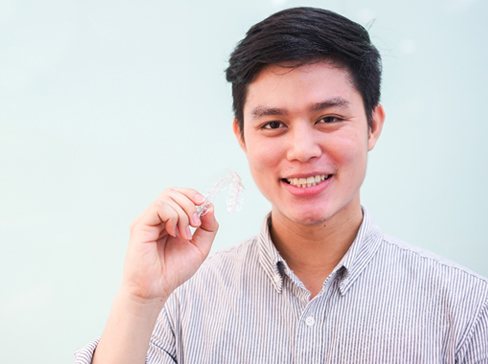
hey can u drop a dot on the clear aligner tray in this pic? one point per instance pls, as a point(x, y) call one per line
point(233, 183)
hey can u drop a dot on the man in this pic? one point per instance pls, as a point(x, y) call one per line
point(319, 283)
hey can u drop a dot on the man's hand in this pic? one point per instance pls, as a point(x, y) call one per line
point(162, 252)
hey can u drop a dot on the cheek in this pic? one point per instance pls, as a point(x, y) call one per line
point(263, 163)
point(351, 151)
point(262, 156)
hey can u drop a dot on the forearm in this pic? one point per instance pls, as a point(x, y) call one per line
point(162, 255)
point(128, 331)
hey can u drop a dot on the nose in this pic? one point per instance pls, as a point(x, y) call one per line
point(303, 143)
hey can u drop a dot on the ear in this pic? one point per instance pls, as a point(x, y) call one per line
point(378, 119)
point(238, 134)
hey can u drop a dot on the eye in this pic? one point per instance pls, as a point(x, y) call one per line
point(272, 125)
point(329, 119)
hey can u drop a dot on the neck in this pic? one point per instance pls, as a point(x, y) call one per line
point(313, 251)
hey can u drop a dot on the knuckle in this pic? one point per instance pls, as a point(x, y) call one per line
point(183, 220)
point(166, 192)
point(162, 206)
point(160, 203)
point(173, 219)
point(133, 227)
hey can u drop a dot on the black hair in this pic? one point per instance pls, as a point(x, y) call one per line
point(300, 36)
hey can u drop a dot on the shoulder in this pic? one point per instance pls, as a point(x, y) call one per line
point(451, 292)
point(433, 274)
point(425, 259)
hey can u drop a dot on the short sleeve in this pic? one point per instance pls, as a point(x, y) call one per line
point(161, 346)
point(85, 354)
point(475, 348)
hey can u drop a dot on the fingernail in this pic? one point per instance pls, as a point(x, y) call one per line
point(199, 198)
point(188, 233)
point(207, 210)
point(195, 219)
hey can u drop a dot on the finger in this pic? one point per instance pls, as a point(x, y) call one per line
point(155, 220)
point(183, 222)
point(171, 224)
point(205, 234)
point(196, 197)
point(168, 217)
point(187, 205)
point(163, 212)
point(209, 221)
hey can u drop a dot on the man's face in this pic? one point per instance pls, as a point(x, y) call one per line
point(306, 138)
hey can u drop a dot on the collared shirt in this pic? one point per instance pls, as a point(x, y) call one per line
point(385, 302)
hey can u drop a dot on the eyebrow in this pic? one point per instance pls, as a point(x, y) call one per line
point(334, 102)
point(261, 111)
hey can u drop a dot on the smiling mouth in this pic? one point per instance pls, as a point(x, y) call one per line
point(307, 182)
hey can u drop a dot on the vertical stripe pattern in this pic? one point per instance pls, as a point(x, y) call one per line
point(385, 302)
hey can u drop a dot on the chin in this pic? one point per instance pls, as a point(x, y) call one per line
point(310, 218)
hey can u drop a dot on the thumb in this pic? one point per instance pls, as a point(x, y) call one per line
point(205, 234)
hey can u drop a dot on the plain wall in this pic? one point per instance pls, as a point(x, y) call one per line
point(103, 104)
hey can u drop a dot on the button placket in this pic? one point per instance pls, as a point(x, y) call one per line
point(308, 333)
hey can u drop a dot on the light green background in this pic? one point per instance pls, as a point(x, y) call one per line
point(105, 103)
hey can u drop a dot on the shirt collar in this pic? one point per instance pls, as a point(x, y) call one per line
point(352, 264)
point(360, 253)
point(269, 257)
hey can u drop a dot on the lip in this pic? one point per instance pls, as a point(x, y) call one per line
point(307, 191)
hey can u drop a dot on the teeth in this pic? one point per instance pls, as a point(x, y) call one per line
point(307, 182)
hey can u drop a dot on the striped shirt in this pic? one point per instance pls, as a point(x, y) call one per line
point(385, 302)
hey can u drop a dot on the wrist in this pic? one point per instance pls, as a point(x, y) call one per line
point(128, 331)
point(138, 306)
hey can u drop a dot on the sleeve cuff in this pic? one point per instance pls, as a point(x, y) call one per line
point(85, 354)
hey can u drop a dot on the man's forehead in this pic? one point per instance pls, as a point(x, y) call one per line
point(312, 86)
point(283, 68)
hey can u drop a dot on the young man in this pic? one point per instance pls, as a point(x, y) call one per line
point(319, 283)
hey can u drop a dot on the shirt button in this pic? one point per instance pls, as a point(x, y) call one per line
point(310, 321)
